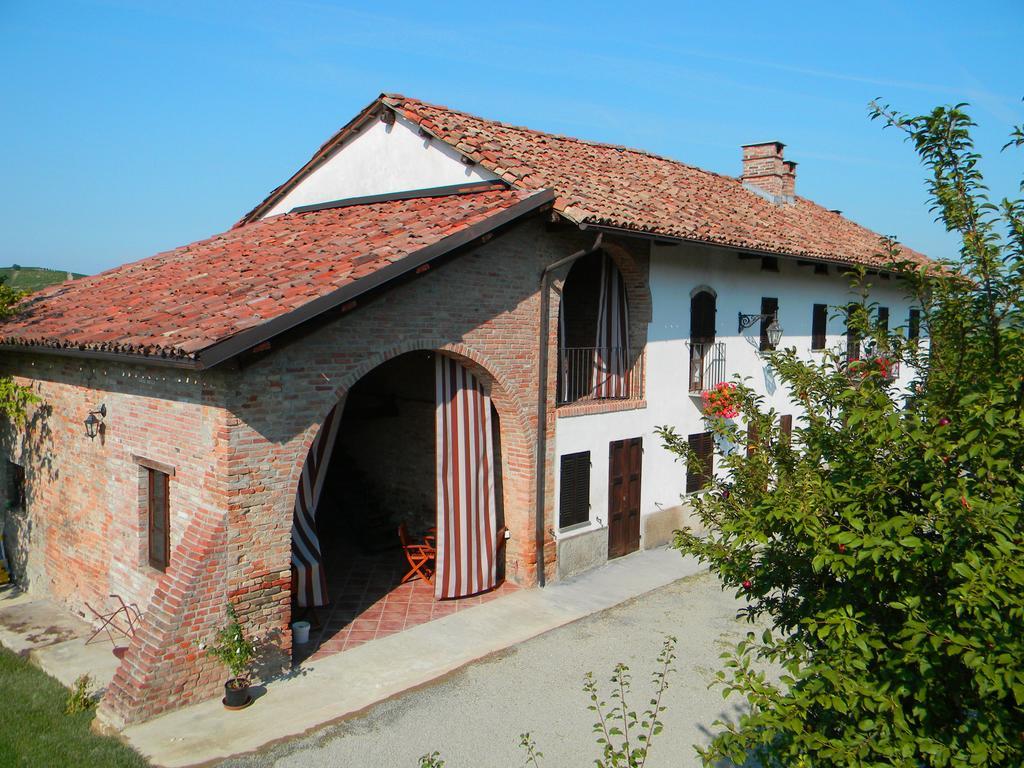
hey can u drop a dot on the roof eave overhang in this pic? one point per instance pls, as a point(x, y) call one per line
point(159, 361)
point(233, 346)
point(676, 240)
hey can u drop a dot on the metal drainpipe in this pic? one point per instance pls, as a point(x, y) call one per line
point(542, 397)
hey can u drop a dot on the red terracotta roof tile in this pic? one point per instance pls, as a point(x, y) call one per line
point(636, 190)
point(177, 303)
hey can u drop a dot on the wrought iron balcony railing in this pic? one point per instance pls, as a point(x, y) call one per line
point(590, 373)
point(707, 365)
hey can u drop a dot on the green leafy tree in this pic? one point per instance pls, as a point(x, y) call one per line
point(14, 398)
point(882, 542)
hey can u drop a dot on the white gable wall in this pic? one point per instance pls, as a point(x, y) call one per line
point(380, 159)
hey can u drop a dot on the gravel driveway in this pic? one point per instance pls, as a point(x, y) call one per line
point(474, 717)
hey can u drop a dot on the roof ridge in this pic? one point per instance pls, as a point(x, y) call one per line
point(559, 136)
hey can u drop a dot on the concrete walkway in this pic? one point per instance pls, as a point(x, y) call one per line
point(324, 691)
point(54, 640)
point(475, 715)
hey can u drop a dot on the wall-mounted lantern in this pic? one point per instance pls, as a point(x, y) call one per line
point(774, 330)
point(94, 421)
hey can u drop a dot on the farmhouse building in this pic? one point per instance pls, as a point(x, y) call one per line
point(439, 321)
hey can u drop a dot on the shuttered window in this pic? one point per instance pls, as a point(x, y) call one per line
point(753, 436)
point(786, 428)
point(159, 518)
point(914, 324)
point(700, 468)
point(819, 326)
point(574, 491)
point(883, 319)
point(768, 308)
point(852, 336)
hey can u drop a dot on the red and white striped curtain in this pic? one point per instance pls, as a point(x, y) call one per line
point(309, 579)
point(466, 511)
point(611, 356)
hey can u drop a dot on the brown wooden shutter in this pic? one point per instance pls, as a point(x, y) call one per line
point(852, 336)
point(700, 470)
point(574, 489)
point(702, 318)
point(883, 318)
point(159, 519)
point(752, 437)
point(914, 324)
point(786, 428)
point(769, 307)
point(819, 326)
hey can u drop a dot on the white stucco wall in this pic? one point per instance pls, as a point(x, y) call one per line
point(675, 272)
point(382, 158)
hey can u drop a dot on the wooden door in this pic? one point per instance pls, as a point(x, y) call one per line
point(624, 463)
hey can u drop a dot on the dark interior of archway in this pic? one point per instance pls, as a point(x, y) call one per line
point(381, 473)
point(580, 295)
point(382, 467)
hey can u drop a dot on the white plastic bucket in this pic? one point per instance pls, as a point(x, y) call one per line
point(300, 632)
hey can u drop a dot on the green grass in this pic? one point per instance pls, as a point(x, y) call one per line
point(31, 279)
point(34, 731)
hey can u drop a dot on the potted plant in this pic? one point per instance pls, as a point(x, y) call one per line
point(722, 401)
point(236, 653)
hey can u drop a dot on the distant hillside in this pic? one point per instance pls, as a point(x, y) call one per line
point(31, 279)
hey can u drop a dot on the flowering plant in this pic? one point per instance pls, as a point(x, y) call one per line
point(722, 401)
point(880, 365)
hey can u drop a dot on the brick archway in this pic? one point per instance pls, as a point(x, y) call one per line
point(516, 435)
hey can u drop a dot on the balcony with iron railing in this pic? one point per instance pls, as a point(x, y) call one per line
point(707, 365)
point(592, 374)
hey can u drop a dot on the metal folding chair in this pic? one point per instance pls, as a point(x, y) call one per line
point(123, 620)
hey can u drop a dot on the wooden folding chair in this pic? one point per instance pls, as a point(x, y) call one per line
point(122, 620)
point(422, 557)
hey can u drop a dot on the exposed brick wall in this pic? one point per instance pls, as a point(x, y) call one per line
point(482, 308)
point(237, 439)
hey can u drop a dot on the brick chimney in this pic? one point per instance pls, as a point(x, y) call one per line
point(765, 172)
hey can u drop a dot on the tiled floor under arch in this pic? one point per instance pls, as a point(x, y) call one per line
point(368, 602)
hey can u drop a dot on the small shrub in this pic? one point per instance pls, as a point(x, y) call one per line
point(80, 699)
point(232, 648)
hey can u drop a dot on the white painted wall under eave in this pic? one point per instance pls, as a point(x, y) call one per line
point(380, 159)
point(674, 273)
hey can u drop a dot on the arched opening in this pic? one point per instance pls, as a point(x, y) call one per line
point(593, 333)
point(707, 357)
point(380, 473)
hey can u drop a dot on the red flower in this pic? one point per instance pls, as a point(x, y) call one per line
point(721, 401)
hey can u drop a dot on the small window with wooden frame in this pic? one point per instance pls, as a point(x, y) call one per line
point(574, 490)
point(155, 507)
point(914, 325)
point(701, 466)
point(769, 313)
point(819, 327)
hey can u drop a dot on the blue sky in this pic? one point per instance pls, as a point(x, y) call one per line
point(131, 127)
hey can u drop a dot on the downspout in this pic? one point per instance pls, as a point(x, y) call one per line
point(542, 397)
